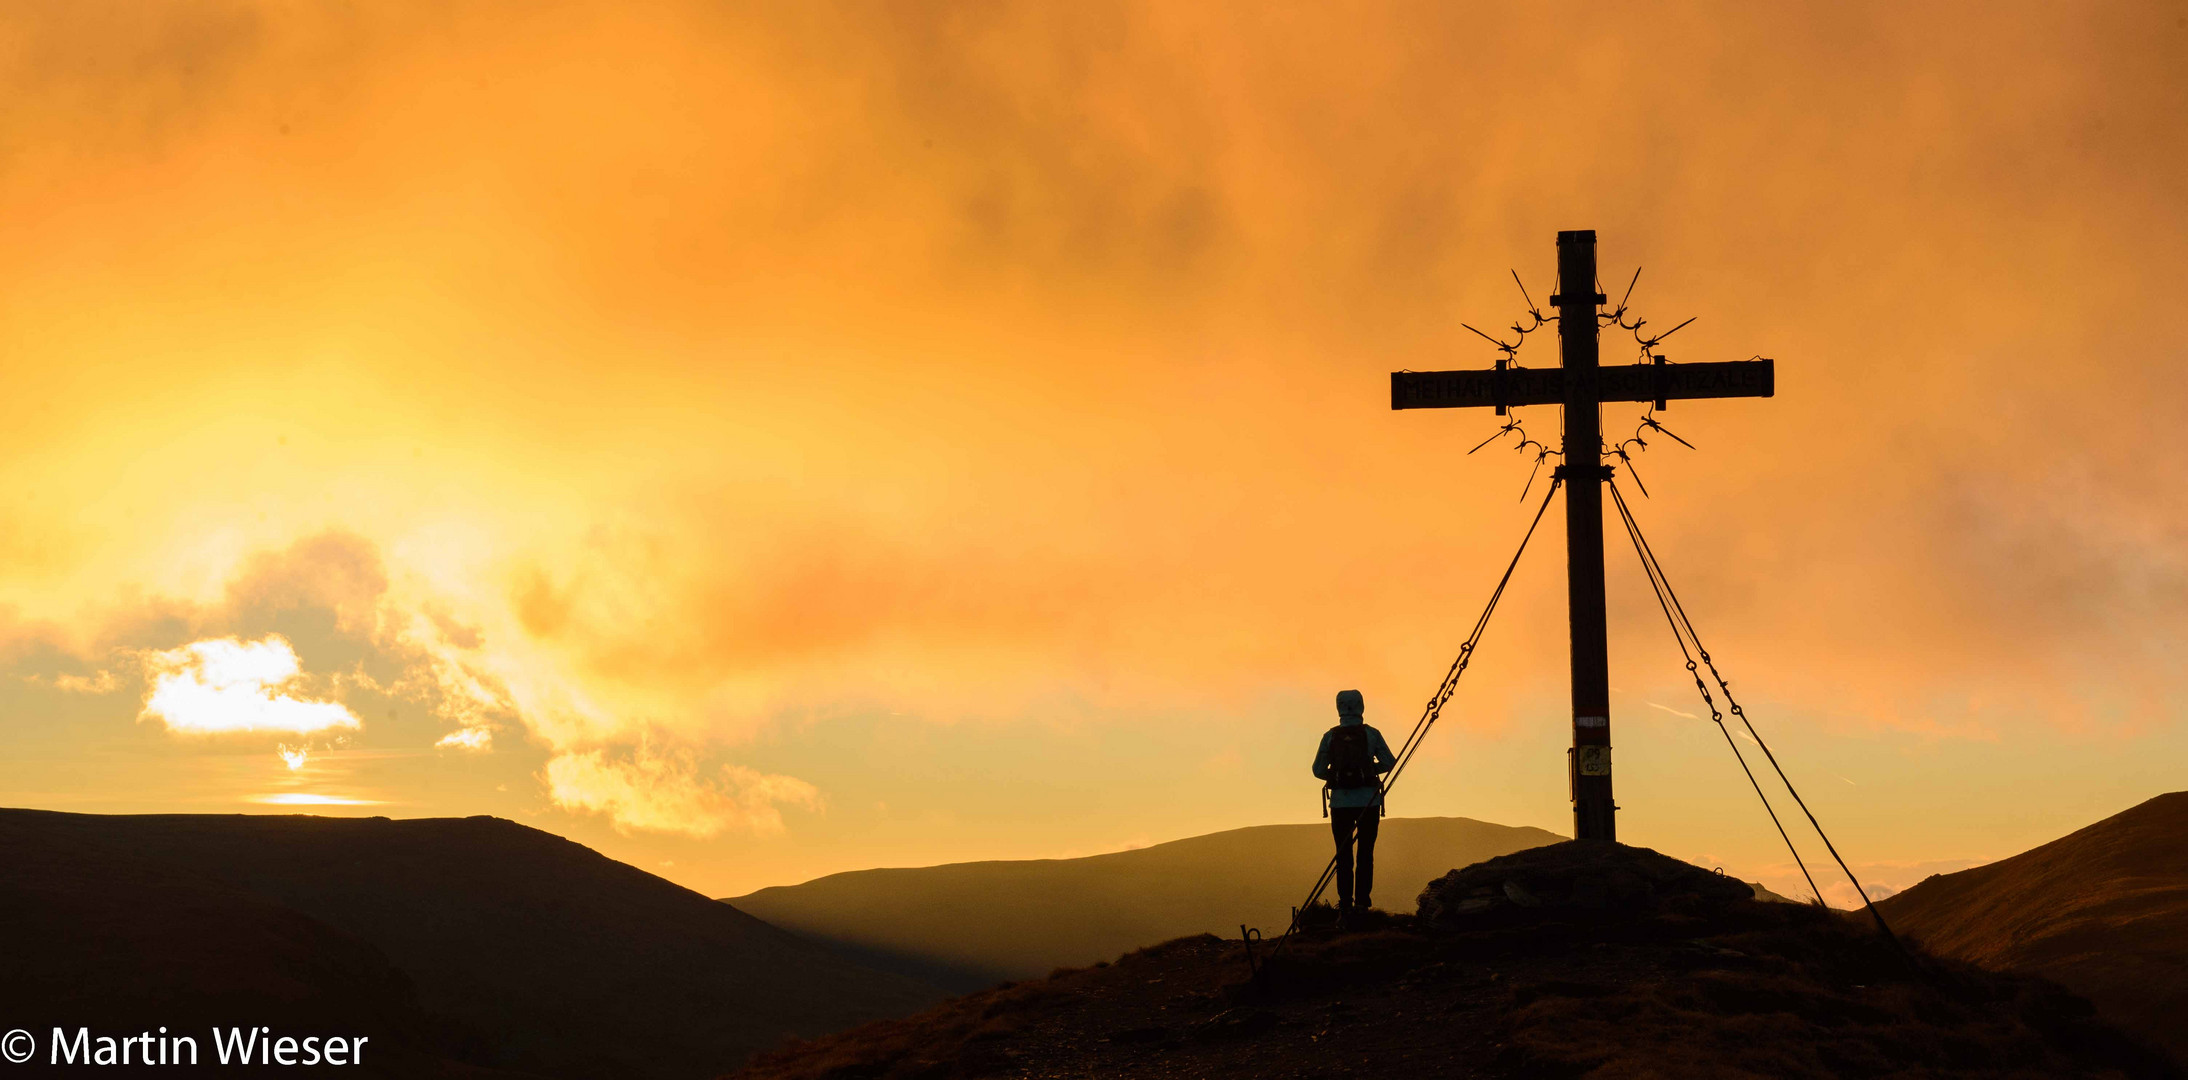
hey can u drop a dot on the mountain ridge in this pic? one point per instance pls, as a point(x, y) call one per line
point(971, 924)
point(481, 942)
point(2103, 910)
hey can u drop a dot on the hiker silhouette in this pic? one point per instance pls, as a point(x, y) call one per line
point(1350, 763)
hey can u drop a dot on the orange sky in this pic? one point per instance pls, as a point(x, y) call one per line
point(765, 441)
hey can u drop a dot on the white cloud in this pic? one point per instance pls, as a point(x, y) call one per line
point(227, 684)
point(470, 738)
point(102, 683)
point(665, 792)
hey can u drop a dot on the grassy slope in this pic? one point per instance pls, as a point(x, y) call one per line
point(2104, 911)
point(546, 956)
point(970, 924)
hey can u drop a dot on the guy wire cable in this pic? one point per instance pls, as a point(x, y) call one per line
point(1434, 711)
point(1658, 586)
point(1650, 555)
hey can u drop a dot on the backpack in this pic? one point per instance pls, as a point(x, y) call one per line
point(1352, 763)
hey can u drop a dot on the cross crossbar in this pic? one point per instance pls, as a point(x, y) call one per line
point(1513, 387)
point(1581, 384)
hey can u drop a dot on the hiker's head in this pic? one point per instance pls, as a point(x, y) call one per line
point(1350, 705)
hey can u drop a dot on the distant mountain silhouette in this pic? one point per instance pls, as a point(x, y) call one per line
point(1581, 959)
point(454, 943)
point(970, 925)
point(2104, 911)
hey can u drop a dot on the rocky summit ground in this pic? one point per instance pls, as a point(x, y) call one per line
point(1573, 960)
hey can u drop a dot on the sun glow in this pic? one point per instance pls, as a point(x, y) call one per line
point(226, 684)
point(307, 798)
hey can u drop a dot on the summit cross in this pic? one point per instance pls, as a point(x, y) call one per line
point(1581, 385)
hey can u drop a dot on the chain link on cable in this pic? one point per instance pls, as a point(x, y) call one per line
point(1648, 556)
point(1433, 710)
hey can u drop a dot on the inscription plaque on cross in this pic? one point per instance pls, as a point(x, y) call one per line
point(1581, 385)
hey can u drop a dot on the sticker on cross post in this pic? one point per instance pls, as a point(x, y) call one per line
point(1591, 721)
point(1592, 760)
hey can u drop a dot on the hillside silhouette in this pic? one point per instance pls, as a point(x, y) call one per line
point(1583, 959)
point(462, 946)
point(2104, 911)
point(969, 925)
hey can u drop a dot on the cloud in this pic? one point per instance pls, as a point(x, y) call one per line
point(334, 579)
point(697, 368)
point(470, 738)
point(666, 792)
point(1080, 295)
point(307, 640)
point(229, 685)
point(103, 682)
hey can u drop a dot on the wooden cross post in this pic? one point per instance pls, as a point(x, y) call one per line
point(1581, 386)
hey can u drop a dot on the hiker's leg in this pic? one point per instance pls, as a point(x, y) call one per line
point(1364, 876)
point(1342, 821)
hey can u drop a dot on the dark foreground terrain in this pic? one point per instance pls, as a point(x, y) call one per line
point(1576, 960)
point(2103, 911)
point(461, 947)
point(967, 926)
